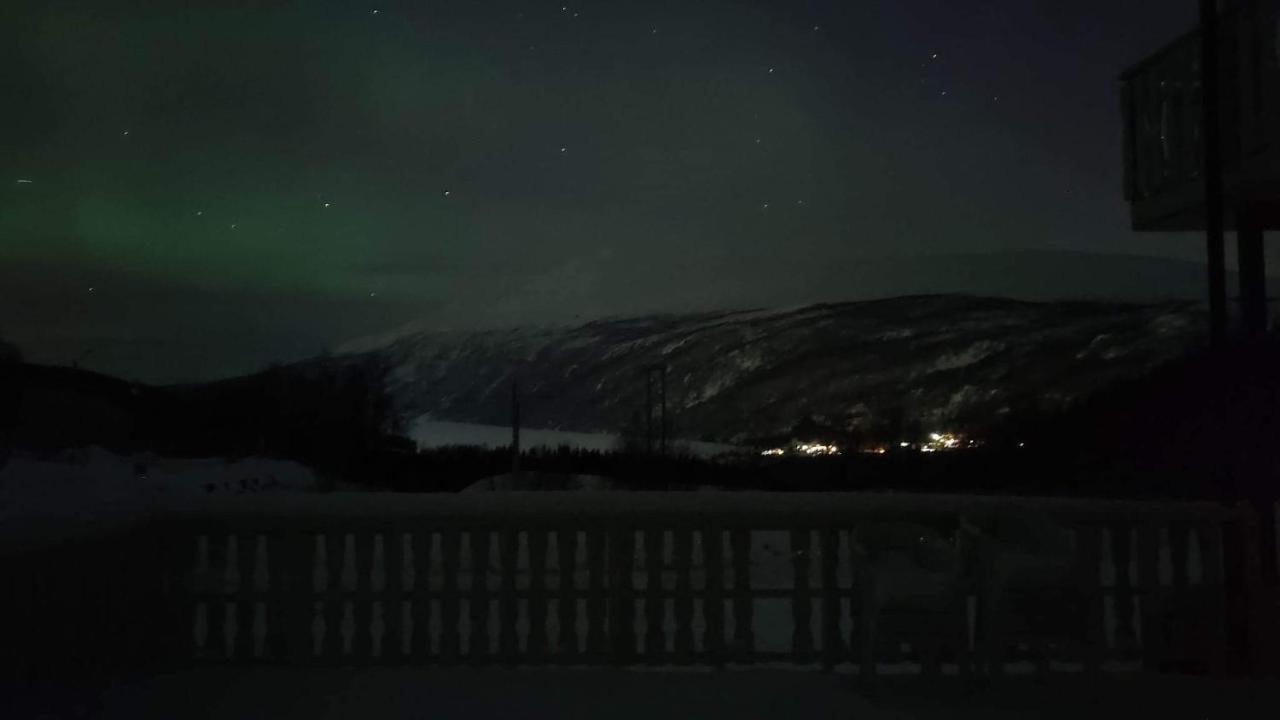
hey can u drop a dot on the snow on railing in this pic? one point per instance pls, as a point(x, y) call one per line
point(964, 584)
point(957, 584)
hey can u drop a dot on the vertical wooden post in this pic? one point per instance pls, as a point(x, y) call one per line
point(1095, 634)
point(567, 605)
point(1209, 535)
point(682, 559)
point(393, 596)
point(508, 604)
point(597, 645)
point(1210, 76)
point(713, 599)
point(362, 642)
point(1122, 592)
point(744, 642)
point(1262, 626)
point(832, 646)
point(801, 598)
point(655, 603)
point(536, 645)
point(450, 642)
point(1152, 596)
point(478, 598)
point(334, 555)
point(422, 545)
point(621, 595)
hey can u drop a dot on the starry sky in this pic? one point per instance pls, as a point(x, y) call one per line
point(194, 189)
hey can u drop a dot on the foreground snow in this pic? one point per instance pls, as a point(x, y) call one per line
point(378, 693)
point(91, 490)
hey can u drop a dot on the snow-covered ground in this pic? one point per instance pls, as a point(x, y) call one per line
point(379, 693)
point(429, 433)
point(90, 490)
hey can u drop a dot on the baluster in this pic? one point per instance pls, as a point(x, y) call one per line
point(295, 592)
point(567, 603)
point(334, 552)
point(1122, 556)
point(393, 596)
point(655, 604)
point(365, 643)
point(1095, 633)
point(1151, 596)
point(508, 604)
point(348, 586)
point(536, 645)
point(261, 587)
point(801, 601)
point(622, 595)
point(596, 632)
point(235, 579)
point(422, 549)
point(713, 601)
point(450, 597)
point(829, 547)
point(1210, 537)
point(480, 597)
point(744, 641)
point(682, 560)
point(861, 606)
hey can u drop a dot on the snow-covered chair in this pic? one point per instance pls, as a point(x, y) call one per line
point(1032, 588)
point(914, 582)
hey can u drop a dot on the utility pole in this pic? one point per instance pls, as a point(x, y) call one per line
point(656, 372)
point(648, 411)
point(515, 428)
point(1210, 76)
point(663, 400)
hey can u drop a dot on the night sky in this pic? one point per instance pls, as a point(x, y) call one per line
point(194, 189)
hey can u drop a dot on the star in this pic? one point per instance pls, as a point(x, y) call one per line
point(934, 56)
point(199, 212)
point(375, 12)
point(446, 193)
point(233, 226)
point(326, 204)
point(764, 206)
point(90, 289)
point(563, 149)
point(757, 141)
point(770, 69)
point(126, 132)
point(816, 28)
point(653, 31)
point(373, 294)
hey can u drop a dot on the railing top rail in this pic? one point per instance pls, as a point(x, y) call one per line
point(755, 509)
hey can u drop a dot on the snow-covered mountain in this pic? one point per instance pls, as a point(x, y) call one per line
point(738, 376)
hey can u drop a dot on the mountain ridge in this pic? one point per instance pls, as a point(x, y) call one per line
point(738, 376)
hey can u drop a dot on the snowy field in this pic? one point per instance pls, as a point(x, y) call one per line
point(92, 490)
point(428, 433)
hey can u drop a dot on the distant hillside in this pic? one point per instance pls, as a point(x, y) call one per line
point(739, 376)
